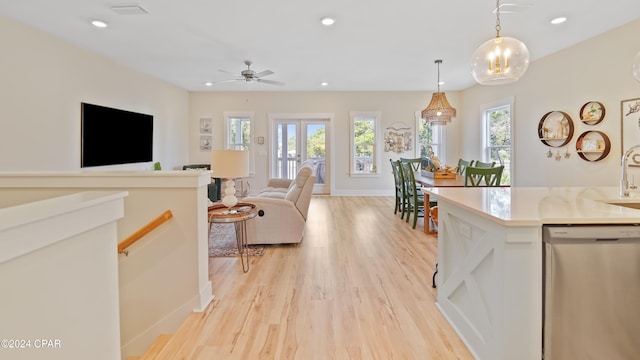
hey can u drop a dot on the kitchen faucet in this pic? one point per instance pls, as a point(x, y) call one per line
point(624, 181)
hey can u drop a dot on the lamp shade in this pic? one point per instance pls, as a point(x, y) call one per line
point(230, 164)
point(439, 110)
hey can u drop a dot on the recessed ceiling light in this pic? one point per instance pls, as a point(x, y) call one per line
point(99, 23)
point(327, 21)
point(208, 83)
point(558, 20)
point(441, 83)
point(324, 83)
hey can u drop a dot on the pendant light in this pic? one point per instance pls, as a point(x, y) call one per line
point(636, 66)
point(501, 60)
point(439, 111)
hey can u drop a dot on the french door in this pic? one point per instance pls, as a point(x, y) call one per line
point(295, 141)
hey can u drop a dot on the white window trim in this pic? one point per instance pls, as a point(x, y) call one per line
point(441, 136)
point(510, 102)
point(378, 148)
point(241, 114)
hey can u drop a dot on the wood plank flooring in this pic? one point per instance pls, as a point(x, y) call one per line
point(357, 287)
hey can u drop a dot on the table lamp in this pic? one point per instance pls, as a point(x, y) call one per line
point(229, 165)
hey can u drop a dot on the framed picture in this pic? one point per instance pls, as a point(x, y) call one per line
point(205, 143)
point(630, 127)
point(205, 125)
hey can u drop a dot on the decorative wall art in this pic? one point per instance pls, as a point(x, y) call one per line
point(205, 125)
point(205, 143)
point(630, 127)
point(398, 138)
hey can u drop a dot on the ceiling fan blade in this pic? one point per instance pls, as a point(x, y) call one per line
point(270, 82)
point(228, 72)
point(227, 81)
point(264, 73)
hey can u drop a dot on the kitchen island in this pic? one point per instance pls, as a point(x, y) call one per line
point(490, 251)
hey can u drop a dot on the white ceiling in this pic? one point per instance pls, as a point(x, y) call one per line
point(375, 45)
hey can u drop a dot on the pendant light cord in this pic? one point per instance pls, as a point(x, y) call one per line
point(438, 62)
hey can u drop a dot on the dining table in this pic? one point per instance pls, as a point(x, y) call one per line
point(430, 181)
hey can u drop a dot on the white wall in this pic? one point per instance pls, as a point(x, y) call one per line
point(598, 69)
point(394, 107)
point(44, 80)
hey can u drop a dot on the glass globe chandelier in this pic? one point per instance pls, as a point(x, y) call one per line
point(501, 60)
point(439, 111)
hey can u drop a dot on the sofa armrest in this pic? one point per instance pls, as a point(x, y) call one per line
point(279, 183)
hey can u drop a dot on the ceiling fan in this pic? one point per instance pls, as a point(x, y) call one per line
point(249, 75)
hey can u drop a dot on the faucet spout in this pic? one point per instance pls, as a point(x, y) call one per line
point(624, 178)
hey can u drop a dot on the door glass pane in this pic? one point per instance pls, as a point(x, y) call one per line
point(316, 150)
point(287, 152)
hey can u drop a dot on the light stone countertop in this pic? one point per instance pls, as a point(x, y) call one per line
point(532, 206)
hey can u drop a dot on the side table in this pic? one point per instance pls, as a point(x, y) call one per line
point(238, 215)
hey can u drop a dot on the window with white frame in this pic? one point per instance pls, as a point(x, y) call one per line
point(497, 137)
point(238, 133)
point(365, 142)
point(238, 129)
point(430, 137)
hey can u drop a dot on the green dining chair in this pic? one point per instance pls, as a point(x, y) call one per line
point(481, 164)
point(399, 184)
point(415, 198)
point(462, 166)
point(415, 163)
point(478, 176)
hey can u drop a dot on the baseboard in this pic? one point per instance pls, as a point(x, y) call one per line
point(206, 296)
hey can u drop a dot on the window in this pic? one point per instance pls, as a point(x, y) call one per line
point(365, 148)
point(238, 132)
point(429, 137)
point(497, 137)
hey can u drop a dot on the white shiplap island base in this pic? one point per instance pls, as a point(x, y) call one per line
point(490, 259)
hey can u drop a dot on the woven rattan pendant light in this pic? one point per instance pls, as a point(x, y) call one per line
point(439, 111)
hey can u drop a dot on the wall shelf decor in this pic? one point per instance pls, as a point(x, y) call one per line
point(593, 145)
point(592, 113)
point(555, 129)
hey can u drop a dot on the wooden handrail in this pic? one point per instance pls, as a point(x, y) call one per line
point(144, 231)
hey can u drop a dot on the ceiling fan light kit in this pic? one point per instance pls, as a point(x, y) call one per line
point(501, 60)
point(439, 111)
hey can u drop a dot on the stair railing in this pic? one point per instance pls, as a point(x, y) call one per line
point(152, 225)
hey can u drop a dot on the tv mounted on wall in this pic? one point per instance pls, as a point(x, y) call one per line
point(113, 136)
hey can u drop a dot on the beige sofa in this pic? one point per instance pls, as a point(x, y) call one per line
point(282, 209)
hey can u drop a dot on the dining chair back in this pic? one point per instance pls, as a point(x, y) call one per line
point(487, 176)
point(481, 164)
point(415, 198)
point(415, 163)
point(401, 200)
point(462, 166)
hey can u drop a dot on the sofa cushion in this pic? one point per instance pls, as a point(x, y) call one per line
point(301, 178)
point(273, 194)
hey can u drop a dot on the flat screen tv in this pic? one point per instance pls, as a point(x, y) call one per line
point(112, 136)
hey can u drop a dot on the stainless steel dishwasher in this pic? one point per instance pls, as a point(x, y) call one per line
point(591, 292)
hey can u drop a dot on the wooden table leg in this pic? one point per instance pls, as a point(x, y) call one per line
point(427, 215)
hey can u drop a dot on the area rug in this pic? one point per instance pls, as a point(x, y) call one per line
point(222, 242)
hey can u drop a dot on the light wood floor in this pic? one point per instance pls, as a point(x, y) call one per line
point(357, 287)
